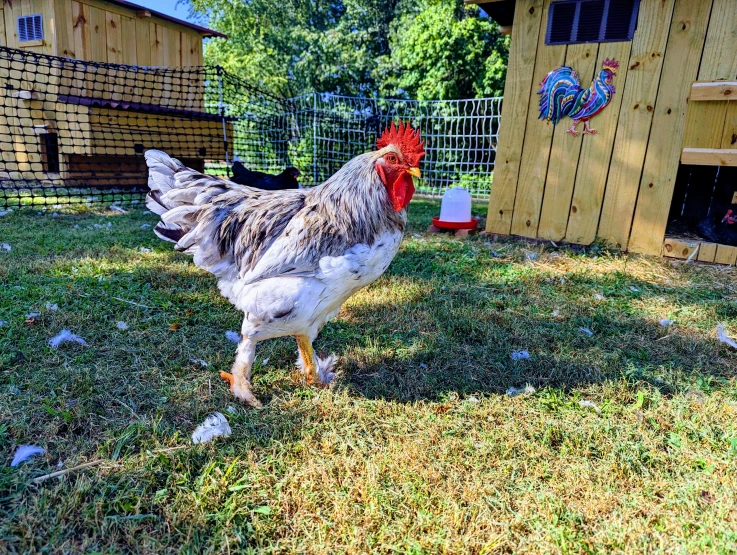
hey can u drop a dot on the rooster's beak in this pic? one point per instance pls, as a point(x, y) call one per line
point(415, 172)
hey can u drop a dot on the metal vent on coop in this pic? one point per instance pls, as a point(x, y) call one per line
point(580, 21)
point(30, 27)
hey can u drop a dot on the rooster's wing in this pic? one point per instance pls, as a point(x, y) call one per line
point(232, 230)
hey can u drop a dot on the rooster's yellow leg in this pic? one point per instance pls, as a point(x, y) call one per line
point(307, 353)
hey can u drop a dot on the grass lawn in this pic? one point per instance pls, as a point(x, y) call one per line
point(417, 449)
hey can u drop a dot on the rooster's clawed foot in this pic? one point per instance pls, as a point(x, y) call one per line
point(242, 393)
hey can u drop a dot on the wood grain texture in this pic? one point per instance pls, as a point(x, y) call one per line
point(143, 42)
point(713, 90)
point(81, 37)
point(705, 120)
point(537, 143)
point(725, 255)
point(729, 132)
point(682, 57)
point(3, 41)
point(11, 32)
point(64, 44)
point(596, 152)
point(679, 248)
point(635, 119)
point(114, 33)
point(98, 36)
point(564, 155)
point(707, 252)
point(709, 156)
point(523, 47)
point(130, 45)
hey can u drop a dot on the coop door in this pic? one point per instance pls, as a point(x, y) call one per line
point(705, 204)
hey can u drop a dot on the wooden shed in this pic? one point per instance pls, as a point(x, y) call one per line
point(663, 161)
point(75, 119)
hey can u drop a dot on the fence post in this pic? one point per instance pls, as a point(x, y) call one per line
point(221, 106)
point(314, 138)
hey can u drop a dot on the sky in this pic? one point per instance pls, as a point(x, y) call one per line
point(168, 7)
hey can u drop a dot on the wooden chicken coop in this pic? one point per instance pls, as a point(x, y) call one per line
point(660, 175)
point(90, 84)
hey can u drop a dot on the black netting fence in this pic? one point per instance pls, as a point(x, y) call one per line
point(76, 131)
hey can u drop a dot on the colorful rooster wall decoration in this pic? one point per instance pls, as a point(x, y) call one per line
point(562, 96)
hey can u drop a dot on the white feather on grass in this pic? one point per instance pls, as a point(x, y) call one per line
point(514, 391)
point(122, 326)
point(25, 452)
point(589, 404)
point(66, 336)
point(116, 208)
point(52, 307)
point(5, 212)
point(724, 338)
point(233, 336)
point(6, 247)
point(519, 355)
point(215, 425)
point(199, 361)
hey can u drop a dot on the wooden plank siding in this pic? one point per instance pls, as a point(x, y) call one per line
point(536, 148)
point(523, 48)
point(635, 119)
point(596, 152)
point(705, 120)
point(100, 31)
point(564, 154)
point(682, 57)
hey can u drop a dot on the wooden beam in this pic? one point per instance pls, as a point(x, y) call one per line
point(709, 156)
point(679, 248)
point(713, 90)
point(725, 255)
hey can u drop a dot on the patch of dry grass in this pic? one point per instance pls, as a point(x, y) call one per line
point(417, 449)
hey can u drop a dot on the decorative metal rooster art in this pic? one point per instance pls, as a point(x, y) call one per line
point(562, 96)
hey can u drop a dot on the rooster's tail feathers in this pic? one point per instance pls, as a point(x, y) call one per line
point(555, 90)
point(173, 195)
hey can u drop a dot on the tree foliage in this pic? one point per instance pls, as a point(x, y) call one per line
point(406, 48)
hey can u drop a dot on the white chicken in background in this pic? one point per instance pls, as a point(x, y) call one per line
point(289, 259)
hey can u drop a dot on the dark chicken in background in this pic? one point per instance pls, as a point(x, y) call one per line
point(268, 182)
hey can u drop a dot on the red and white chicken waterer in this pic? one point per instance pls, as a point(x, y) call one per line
point(455, 210)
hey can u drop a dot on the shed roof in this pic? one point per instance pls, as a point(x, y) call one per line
point(204, 31)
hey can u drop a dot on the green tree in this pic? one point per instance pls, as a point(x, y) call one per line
point(446, 51)
point(406, 48)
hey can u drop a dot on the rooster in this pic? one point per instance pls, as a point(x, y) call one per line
point(562, 95)
point(289, 259)
point(266, 181)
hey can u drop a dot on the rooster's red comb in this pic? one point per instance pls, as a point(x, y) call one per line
point(611, 65)
point(407, 139)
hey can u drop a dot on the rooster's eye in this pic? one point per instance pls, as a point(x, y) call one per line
point(391, 158)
